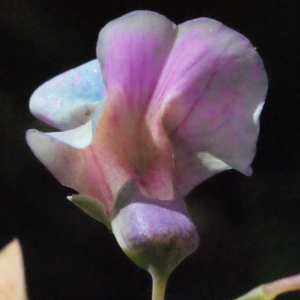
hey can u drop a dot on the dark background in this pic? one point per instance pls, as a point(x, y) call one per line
point(249, 226)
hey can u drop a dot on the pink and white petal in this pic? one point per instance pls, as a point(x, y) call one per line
point(89, 171)
point(132, 51)
point(69, 99)
point(210, 93)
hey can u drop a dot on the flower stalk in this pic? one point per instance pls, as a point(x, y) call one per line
point(159, 283)
point(273, 289)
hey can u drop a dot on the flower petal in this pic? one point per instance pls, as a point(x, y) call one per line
point(68, 100)
point(78, 169)
point(132, 51)
point(210, 93)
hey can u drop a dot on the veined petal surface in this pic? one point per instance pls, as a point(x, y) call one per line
point(210, 92)
point(132, 51)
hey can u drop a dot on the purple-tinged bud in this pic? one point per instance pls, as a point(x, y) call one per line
point(157, 235)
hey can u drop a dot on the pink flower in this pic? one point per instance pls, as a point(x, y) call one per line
point(178, 105)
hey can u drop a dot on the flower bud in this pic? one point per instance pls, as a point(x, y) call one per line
point(157, 235)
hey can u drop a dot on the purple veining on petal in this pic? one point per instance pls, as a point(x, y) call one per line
point(210, 97)
point(132, 51)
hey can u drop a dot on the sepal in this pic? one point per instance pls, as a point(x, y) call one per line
point(91, 206)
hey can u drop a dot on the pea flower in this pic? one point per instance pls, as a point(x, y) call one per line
point(162, 109)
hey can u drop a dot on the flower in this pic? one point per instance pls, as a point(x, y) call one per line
point(162, 109)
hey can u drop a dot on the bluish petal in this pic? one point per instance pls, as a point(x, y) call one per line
point(69, 99)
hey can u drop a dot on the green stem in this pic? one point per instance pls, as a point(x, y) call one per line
point(159, 287)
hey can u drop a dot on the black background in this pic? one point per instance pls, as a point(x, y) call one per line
point(249, 226)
